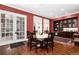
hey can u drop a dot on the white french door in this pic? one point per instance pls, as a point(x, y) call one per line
point(20, 27)
point(12, 27)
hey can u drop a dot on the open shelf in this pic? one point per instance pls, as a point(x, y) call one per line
point(70, 23)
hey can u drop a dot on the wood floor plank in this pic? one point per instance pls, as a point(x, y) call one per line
point(59, 49)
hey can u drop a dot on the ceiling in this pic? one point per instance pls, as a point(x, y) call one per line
point(48, 10)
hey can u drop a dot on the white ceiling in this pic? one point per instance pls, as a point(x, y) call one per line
point(48, 10)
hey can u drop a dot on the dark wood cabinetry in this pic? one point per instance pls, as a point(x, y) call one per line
point(66, 34)
point(66, 23)
point(56, 25)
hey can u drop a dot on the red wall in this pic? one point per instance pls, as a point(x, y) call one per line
point(51, 25)
point(30, 23)
point(67, 16)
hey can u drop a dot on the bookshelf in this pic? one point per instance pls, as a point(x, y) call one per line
point(60, 25)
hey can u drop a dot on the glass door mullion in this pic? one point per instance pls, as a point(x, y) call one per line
point(14, 28)
point(0, 26)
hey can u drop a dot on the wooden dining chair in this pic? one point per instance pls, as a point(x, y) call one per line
point(48, 42)
point(33, 42)
point(28, 36)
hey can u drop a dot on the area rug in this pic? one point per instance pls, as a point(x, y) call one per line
point(65, 41)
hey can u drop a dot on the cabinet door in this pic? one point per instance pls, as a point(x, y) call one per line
point(69, 23)
point(65, 24)
point(61, 25)
point(74, 23)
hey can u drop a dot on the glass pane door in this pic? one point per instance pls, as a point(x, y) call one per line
point(20, 27)
point(6, 27)
point(12, 27)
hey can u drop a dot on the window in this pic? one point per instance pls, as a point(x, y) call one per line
point(46, 25)
point(38, 24)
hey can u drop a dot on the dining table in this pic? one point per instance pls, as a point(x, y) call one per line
point(41, 38)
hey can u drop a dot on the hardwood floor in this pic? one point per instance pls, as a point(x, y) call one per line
point(59, 49)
